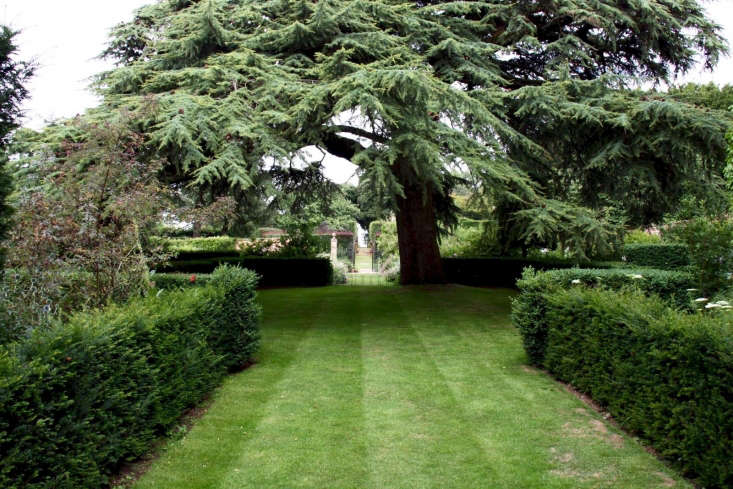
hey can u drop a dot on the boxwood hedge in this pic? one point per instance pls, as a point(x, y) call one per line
point(82, 398)
point(500, 271)
point(663, 374)
point(666, 256)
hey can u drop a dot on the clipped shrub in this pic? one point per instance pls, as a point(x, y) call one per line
point(80, 399)
point(664, 375)
point(530, 306)
point(668, 256)
point(273, 272)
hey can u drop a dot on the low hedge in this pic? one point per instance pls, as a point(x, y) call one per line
point(530, 306)
point(82, 398)
point(273, 272)
point(663, 374)
point(501, 271)
point(203, 255)
point(220, 244)
point(664, 256)
point(177, 280)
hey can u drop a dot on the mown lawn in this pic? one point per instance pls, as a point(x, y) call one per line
point(390, 387)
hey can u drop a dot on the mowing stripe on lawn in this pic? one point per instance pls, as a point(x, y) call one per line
point(414, 434)
point(313, 429)
point(562, 443)
point(212, 449)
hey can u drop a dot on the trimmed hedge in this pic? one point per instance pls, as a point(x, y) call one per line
point(177, 280)
point(663, 256)
point(664, 375)
point(273, 272)
point(81, 399)
point(221, 244)
point(530, 306)
point(501, 271)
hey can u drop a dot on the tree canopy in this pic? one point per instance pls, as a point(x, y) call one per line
point(531, 98)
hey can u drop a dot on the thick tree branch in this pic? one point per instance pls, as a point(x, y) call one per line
point(340, 146)
point(361, 133)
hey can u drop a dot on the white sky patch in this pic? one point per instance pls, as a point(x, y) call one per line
point(65, 37)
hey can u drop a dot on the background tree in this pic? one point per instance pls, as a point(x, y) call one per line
point(710, 96)
point(13, 76)
point(528, 96)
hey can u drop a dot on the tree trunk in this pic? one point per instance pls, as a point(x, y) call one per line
point(417, 231)
point(196, 232)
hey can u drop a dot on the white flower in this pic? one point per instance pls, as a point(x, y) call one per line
point(692, 290)
point(726, 307)
point(575, 282)
point(636, 276)
point(724, 303)
point(701, 299)
point(623, 258)
point(544, 250)
point(712, 305)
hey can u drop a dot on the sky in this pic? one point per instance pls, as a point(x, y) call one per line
point(65, 38)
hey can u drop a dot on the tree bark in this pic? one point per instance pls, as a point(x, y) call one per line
point(417, 230)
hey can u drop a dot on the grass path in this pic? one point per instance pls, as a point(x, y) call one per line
point(388, 387)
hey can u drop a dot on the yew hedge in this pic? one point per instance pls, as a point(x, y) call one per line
point(79, 400)
point(664, 374)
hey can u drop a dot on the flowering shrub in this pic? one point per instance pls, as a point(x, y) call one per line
point(82, 234)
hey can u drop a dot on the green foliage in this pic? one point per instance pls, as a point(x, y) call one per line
point(580, 233)
point(667, 256)
point(13, 77)
point(710, 96)
point(387, 244)
point(639, 236)
point(662, 374)
point(729, 167)
point(83, 233)
point(710, 245)
point(84, 397)
point(525, 95)
point(471, 238)
point(273, 272)
point(370, 204)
